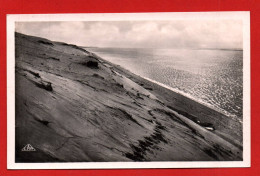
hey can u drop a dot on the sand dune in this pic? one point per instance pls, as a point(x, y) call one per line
point(73, 106)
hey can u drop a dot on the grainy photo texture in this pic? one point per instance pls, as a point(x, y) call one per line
point(128, 91)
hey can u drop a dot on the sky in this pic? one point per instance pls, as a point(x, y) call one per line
point(141, 34)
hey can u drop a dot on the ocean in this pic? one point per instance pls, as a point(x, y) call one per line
point(213, 77)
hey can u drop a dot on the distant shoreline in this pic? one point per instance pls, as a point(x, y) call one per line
point(193, 108)
point(215, 108)
point(212, 104)
point(223, 49)
point(222, 111)
point(70, 99)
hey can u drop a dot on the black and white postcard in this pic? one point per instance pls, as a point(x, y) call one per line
point(140, 90)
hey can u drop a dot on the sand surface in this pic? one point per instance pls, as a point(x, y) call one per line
point(73, 106)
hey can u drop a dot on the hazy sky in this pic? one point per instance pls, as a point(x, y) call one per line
point(155, 34)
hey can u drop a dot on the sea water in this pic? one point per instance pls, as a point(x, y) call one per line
point(214, 77)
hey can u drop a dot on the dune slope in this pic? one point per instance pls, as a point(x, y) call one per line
point(73, 106)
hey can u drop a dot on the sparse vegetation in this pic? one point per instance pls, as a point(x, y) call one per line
point(53, 58)
point(91, 64)
point(44, 85)
point(100, 112)
point(35, 74)
point(45, 42)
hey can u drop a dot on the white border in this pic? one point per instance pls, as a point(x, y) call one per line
point(11, 19)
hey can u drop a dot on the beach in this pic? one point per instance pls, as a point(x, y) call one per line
point(75, 106)
point(211, 76)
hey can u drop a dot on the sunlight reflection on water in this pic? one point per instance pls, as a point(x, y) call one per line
point(213, 76)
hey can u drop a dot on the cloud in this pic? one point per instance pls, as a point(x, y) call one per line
point(157, 34)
